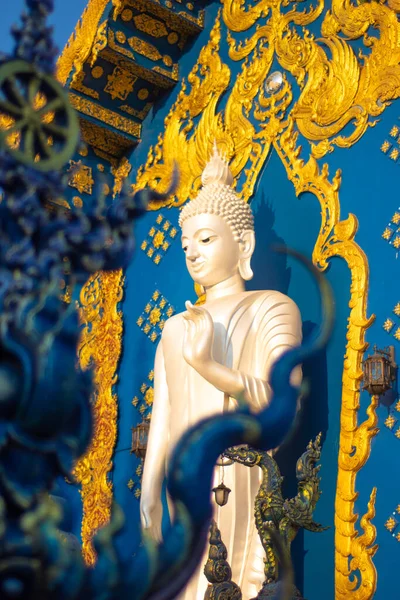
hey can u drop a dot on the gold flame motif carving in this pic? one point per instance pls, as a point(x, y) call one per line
point(100, 345)
point(120, 174)
point(79, 45)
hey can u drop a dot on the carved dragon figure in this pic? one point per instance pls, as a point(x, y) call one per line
point(272, 511)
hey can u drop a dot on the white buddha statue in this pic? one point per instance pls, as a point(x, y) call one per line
point(213, 355)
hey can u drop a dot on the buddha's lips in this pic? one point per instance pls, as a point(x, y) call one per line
point(197, 266)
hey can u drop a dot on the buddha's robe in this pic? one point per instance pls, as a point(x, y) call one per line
point(251, 330)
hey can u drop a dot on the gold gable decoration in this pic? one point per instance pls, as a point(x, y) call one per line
point(200, 102)
point(335, 91)
point(79, 45)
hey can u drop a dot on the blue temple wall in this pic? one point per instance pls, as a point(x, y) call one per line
point(368, 191)
point(368, 182)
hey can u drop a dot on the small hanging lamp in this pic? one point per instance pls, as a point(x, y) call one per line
point(379, 371)
point(221, 493)
point(140, 435)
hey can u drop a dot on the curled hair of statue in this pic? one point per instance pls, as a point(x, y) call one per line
point(218, 197)
point(46, 421)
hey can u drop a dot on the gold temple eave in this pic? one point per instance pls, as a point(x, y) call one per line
point(105, 115)
point(79, 45)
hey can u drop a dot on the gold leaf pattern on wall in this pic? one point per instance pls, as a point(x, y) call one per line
point(200, 101)
point(392, 524)
point(391, 232)
point(154, 315)
point(100, 346)
point(393, 327)
point(81, 177)
point(159, 239)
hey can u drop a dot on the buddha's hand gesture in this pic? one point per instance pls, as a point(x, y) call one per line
point(199, 337)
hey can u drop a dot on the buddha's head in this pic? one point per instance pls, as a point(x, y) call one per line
point(217, 228)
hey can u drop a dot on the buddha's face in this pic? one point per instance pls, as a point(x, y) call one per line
point(212, 254)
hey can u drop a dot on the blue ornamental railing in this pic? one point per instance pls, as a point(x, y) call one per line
point(45, 414)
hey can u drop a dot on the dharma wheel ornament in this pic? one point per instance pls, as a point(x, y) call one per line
point(140, 436)
point(43, 131)
point(379, 371)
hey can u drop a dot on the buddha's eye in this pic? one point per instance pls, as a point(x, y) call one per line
point(184, 248)
point(206, 240)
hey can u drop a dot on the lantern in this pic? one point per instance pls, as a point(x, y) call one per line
point(221, 494)
point(140, 436)
point(379, 371)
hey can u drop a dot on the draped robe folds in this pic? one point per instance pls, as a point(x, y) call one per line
point(251, 330)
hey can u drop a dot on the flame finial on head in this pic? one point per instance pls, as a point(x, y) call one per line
point(217, 170)
point(217, 197)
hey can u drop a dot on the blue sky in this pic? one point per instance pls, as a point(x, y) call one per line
point(65, 16)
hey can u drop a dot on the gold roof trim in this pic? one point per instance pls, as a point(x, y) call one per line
point(79, 45)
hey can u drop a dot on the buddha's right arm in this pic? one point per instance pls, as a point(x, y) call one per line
point(280, 330)
point(154, 465)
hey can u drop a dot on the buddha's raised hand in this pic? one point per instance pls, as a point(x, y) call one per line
point(199, 337)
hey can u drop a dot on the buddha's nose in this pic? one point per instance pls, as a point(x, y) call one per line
point(192, 253)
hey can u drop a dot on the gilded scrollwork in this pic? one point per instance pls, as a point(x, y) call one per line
point(79, 86)
point(100, 42)
point(81, 177)
point(109, 117)
point(337, 87)
point(118, 7)
point(100, 345)
point(79, 45)
point(120, 84)
point(201, 101)
point(120, 174)
point(150, 25)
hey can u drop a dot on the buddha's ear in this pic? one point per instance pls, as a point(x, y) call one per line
point(247, 245)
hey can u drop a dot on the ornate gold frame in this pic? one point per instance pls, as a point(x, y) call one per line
point(335, 91)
